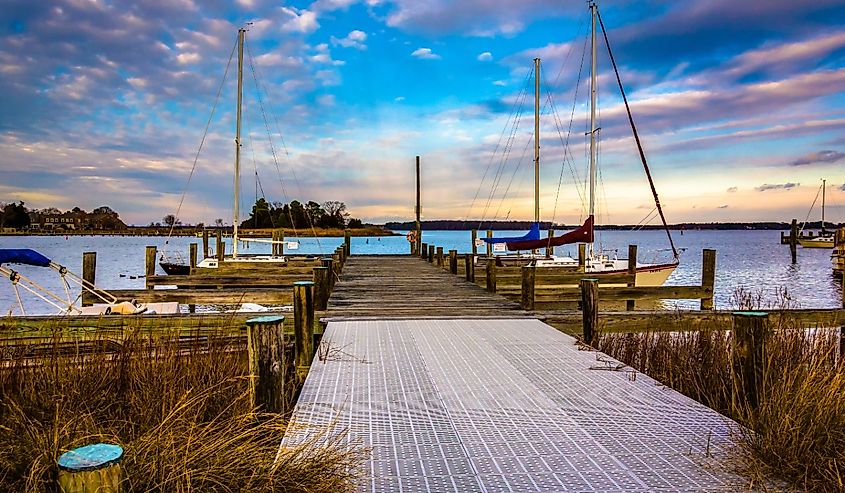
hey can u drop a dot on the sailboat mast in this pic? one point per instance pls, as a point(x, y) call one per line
point(824, 183)
point(592, 115)
point(241, 33)
point(537, 140)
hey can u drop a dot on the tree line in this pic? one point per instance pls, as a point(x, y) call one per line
point(296, 215)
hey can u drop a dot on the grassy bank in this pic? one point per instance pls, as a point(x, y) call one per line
point(182, 416)
point(798, 433)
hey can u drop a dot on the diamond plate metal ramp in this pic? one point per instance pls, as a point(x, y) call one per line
point(503, 405)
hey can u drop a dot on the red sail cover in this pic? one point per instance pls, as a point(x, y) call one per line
point(583, 234)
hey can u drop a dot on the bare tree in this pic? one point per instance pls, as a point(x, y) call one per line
point(170, 220)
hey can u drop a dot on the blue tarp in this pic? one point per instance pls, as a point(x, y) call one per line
point(23, 256)
point(533, 234)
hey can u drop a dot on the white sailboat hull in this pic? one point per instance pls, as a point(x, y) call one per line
point(212, 263)
point(818, 242)
point(647, 274)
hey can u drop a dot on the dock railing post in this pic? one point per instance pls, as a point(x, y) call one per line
point(149, 265)
point(469, 265)
point(632, 271)
point(440, 256)
point(89, 274)
point(453, 261)
point(94, 467)
point(489, 245)
point(528, 279)
point(204, 243)
point(423, 251)
point(266, 349)
point(582, 257)
point(220, 248)
point(347, 242)
point(589, 308)
point(321, 288)
point(192, 257)
point(491, 275)
point(327, 263)
point(431, 254)
point(793, 241)
point(474, 246)
point(550, 250)
point(748, 357)
point(708, 277)
point(303, 325)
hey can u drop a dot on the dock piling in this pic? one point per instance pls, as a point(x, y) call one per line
point(94, 467)
point(321, 288)
point(192, 257)
point(474, 246)
point(582, 257)
point(89, 274)
point(347, 242)
point(469, 265)
point(632, 271)
point(491, 275)
point(453, 261)
point(748, 357)
point(220, 250)
point(550, 250)
point(708, 276)
point(423, 251)
point(793, 241)
point(489, 245)
point(303, 328)
point(528, 279)
point(589, 308)
point(266, 349)
point(205, 243)
point(431, 254)
point(149, 264)
point(440, 256)
point(327, 263)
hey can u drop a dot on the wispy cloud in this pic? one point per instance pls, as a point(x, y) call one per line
point(485, 57)
point(355, 39)
point(425, 54)
point(818, 157)
point(732, 190)
point(780, 186)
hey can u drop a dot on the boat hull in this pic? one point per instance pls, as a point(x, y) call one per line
point(174, 269)
point(818, 242)
point(213, 263)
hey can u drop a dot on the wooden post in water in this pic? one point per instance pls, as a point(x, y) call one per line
point(266, 348)
point(453, 261)
point(632, 271)
point(327, 263)
point(748, 357)
point(418, 212)
point(491, 275)
point(220, 249)
point(423, 251)
point(89, 274)
point(793, 241)
point(469, 265)
point(440, 256)
point(474, 246)
point(303, 325)
point(321, 288)
point(149, 264)
point(528, 278)
point(550, 250)
point(92, 468)
point(431, 254)
point(582, 257)
point(204, 243)
point(589, 308)
point(708, 276)
point(192, 257)
point(489, 245)
point(347, 242)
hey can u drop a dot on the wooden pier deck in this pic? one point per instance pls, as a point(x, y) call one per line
point(392, 286)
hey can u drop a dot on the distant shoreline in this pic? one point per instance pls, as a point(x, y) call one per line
point(193, 232)
point(455, 225)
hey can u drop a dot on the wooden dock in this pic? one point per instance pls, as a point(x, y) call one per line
point(453, 388)
point(391, 286)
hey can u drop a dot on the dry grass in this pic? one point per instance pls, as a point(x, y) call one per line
point(797, 435)
point(182, 416)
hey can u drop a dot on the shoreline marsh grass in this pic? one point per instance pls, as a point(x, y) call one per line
point(182, 414)
point(797, 434)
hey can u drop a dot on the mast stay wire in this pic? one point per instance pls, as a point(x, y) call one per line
point(813, 205)
point(199, 150)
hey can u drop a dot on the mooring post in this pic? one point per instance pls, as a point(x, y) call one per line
point(418, 212)
point(440, 256)
point(220, 250)
point(205, 243)
point(423, 251)
point(149, 265)
point(327, 263)
point(528, 278)
point(748, 357)
point(582, 257)
point(192, 257)
point(89, 274)
point(589, 308)
point(469, 266)
point(347, 242)
point(491, 275)
point(793, 241)
point(303, 328)
point(708, 277)
point(431, 249)
point(632, 273)
point(453, 261)
point(474, 246)
point(489, 245)
point(266, 352)
point(550, 250)
point(94, 467)
point(321, 288)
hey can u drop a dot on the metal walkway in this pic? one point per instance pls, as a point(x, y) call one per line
point(503, 405)
point(393, 286)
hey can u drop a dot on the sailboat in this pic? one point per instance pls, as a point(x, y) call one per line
point(180, 268)
point(825, 239)
point(596, 263)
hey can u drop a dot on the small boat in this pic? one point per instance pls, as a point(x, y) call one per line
point(596, 263)
point(825, 238)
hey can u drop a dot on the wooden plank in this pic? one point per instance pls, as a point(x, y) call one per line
point(206, 296)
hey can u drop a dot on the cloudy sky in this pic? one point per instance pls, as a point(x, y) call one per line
point(740, 106)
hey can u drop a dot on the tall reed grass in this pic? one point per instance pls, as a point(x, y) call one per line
point(182, 415)
point(797, 435)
